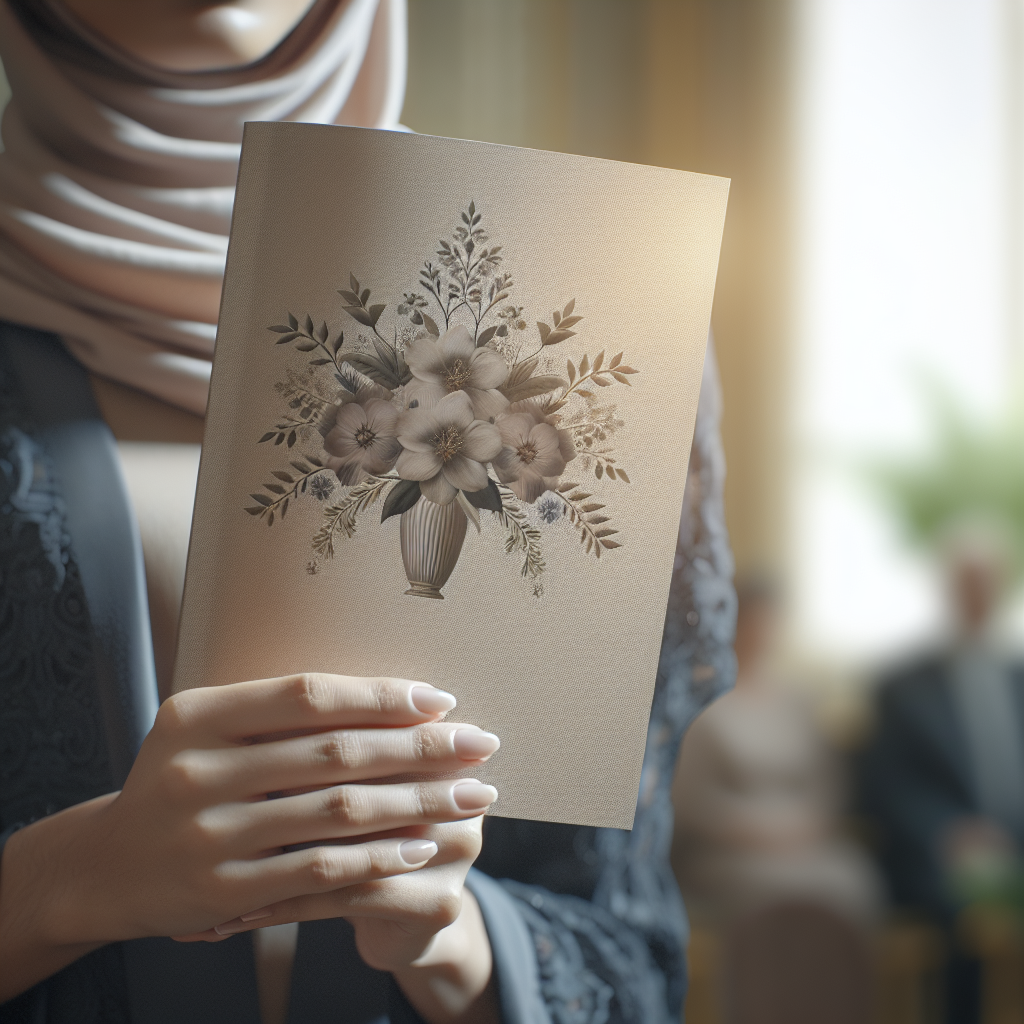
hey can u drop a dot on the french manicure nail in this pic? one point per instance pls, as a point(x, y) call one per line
point(474, 744)
point(230, 927)
point(255, 915)
point(417, 851)
point(473, 796)
point(431, 701)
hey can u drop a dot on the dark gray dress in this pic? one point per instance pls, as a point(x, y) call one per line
point(586, 924)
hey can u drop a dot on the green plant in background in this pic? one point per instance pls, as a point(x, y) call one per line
point(973, 472)
point(994, 882)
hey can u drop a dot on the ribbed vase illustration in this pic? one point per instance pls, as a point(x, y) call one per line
point(432, 537)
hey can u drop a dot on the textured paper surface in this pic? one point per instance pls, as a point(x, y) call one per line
point(560, 665)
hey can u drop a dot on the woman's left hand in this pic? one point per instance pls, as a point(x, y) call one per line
point(424, 927)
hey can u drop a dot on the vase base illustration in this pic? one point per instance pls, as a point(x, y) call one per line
point(432, 537)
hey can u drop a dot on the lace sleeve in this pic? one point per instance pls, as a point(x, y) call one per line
point(615, 953)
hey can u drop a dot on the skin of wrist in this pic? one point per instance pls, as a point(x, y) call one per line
point(452, 981)
point(38, 933)
point(54, 862)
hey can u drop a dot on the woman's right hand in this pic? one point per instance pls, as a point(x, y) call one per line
point(192, 840)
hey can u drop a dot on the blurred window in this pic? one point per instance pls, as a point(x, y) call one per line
point(909, 135)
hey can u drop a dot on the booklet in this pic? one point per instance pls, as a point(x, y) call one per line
point(450, 417)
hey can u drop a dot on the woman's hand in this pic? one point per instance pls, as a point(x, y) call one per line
point(192, 842)
point(422, 926)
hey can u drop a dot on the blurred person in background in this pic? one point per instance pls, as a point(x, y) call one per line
point(942, 779)
point(758, 797)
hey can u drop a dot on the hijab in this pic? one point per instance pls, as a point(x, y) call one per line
point(117, 177)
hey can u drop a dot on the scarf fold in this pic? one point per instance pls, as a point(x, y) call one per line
point(117, 178)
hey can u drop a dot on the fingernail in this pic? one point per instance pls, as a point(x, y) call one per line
point(417, 851)
point(473, 796)
point(231, 927)
point(474, 744)
point(430, 700)
point(255, 915)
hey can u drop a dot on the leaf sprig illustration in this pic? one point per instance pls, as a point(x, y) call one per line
point(521, 384)
point(604, 466)
point(520, 534)
point(596, 373)
point(385, 365)
point(275, 503)
point(592, 433)
point(586, 516)
point(463, 278)
point(357, 308)
point(341, 518)
point(308, 397)
point(307, 338)
point(562, 322)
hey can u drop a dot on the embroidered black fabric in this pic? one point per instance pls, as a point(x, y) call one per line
point(601, 905)
point(53, 751)
point(51, 737)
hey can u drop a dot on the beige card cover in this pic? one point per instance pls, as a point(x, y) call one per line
point(451, 410)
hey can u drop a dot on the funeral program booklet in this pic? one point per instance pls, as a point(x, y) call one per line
point(450, 416)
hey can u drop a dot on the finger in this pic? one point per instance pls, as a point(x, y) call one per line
point(307, 702)
point(404, 898)
point(341, 812)
point(350, 755)
point(322, 869)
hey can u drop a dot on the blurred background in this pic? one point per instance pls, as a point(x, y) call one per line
point(875, 239)
point(846, 837)
point(869, 329)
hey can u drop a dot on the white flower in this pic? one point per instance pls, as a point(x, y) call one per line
point(451, 363)
point(360, 438)
point(533, 451)
point(446, 449)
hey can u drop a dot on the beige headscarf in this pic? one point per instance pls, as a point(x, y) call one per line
point(117, 178)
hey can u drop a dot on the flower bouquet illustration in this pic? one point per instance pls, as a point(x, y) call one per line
point(459, 412)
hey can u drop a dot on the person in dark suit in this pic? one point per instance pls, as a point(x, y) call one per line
point(942, 778)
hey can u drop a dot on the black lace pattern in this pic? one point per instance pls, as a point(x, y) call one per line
point(52, 742)
point(602, 904)
point(53, 751)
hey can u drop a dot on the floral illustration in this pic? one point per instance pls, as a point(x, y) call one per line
point(459, 412)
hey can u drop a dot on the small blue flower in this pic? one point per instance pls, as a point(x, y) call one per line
point(550, 510)
point(321, 487)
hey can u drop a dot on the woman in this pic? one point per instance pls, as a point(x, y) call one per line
point(121, 148)
point(758, 798)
